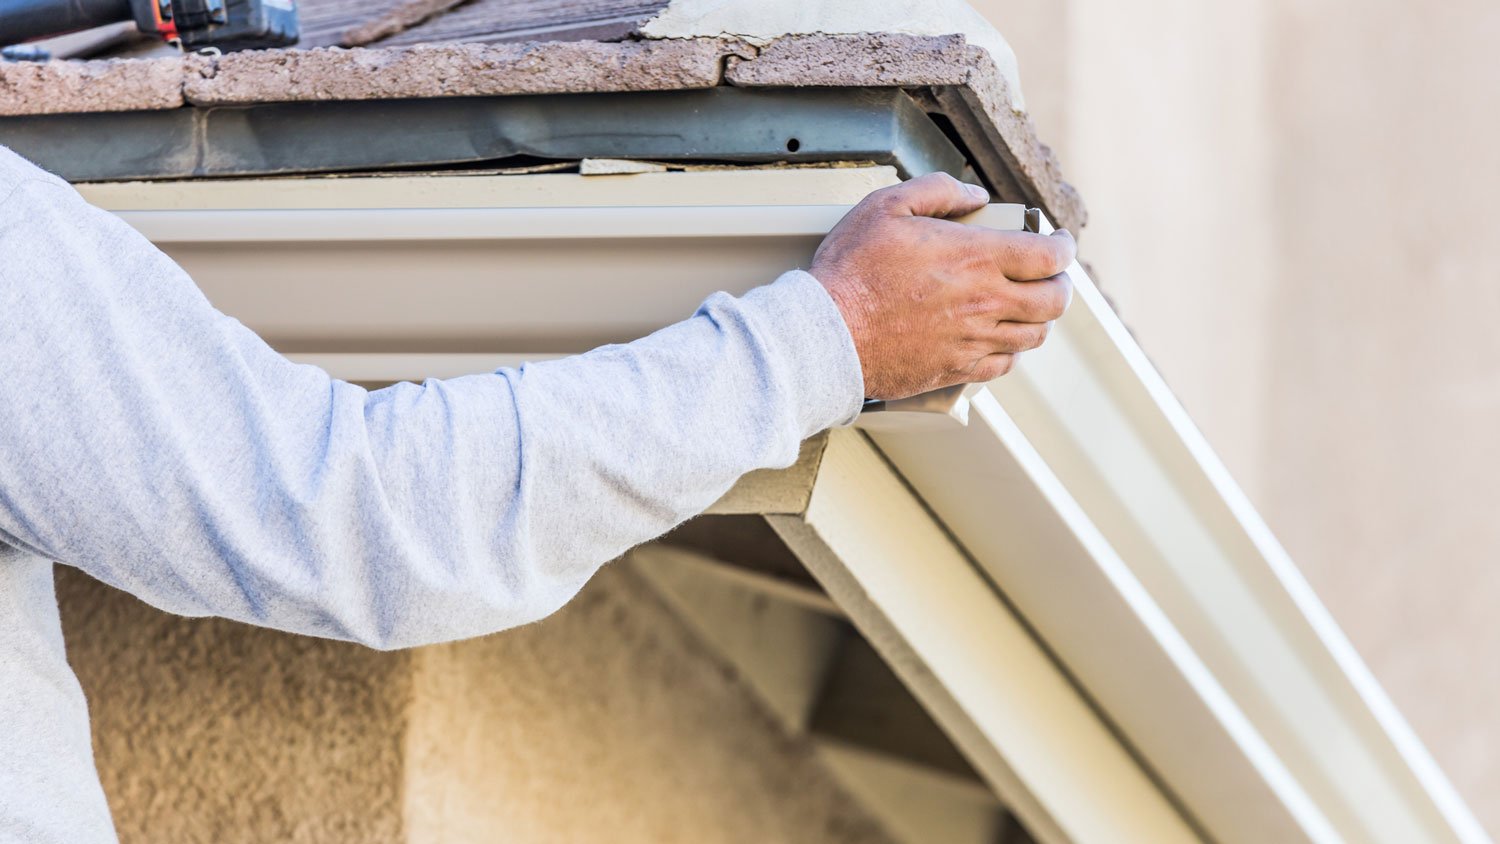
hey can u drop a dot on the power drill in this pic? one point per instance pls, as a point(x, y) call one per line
point(195, 24)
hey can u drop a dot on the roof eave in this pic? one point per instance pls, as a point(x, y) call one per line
point(951, 76)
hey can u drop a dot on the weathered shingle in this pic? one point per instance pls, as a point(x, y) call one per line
point(325, 22)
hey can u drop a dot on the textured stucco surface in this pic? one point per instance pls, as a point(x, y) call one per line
point(65, 87)
point(606, 722)
point(946, 62)
point(766, 21)
point(609, 721)
point(1291, 202)
point(1383, 470)
point(207, 730)
point(853, 60)
point(458, 70)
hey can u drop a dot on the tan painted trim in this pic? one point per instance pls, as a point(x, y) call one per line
point(653, 556)
point(833, 185)
point(775, 491)
point(938, 622)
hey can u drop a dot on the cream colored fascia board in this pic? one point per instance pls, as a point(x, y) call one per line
point(831, 185)
point(372, 277)
point(1157, 573)
point(971, 662)
point(394, 225)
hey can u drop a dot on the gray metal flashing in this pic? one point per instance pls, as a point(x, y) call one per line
point(884, 125)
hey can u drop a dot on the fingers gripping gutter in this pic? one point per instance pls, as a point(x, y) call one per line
point(931, 302)
point(934, 195)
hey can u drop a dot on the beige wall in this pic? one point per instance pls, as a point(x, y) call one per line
point(1291, 204)
point(606, 722)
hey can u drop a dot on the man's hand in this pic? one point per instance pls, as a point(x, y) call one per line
point(931, 302)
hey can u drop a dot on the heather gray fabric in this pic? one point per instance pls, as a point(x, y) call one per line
point(164, 448)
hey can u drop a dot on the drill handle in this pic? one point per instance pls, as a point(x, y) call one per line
point(23, 20)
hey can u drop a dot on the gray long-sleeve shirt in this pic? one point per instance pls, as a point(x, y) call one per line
point(162, 447)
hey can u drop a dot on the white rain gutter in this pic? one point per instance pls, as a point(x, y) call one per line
point(1079, 485)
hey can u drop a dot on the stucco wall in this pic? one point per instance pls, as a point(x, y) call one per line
point(207, 730)
point(609, 721)
point(605, 722)
point(1291, 203)
point(1385, 469)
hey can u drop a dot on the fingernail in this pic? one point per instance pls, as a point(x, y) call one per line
point(978, 192)
point(1064, 231)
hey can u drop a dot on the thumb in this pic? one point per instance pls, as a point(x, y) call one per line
point(936, 195)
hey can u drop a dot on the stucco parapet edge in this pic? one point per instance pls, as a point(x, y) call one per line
point(938, 61)
point(460, 70)
point(987, 92)
point(74, 87)
point(942, 62)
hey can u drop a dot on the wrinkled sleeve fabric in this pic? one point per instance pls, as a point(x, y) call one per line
point(164, 448)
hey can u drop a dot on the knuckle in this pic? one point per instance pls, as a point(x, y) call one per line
point(1020, 337)
point(960, 363)
point(997, 366)
point(1023, 261)
point(885, 197)
point(1035, 336)
point(939, 178)
point(1061, 295)
point(1062, 255)
point(1029, 257)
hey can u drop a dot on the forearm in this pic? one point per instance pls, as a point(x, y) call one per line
point(510, 490)
point(165, 449)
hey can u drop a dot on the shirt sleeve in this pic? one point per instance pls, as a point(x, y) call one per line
point(164, 448)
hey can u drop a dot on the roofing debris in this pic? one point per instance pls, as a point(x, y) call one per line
point(327, 23)
point(617, 167)
point(398, 19)
point(493, 21)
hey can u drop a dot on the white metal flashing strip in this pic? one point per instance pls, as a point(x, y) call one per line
point(1080, 486)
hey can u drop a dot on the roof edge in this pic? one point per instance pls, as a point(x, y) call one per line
point(964, 77)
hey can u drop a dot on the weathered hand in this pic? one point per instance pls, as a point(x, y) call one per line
point(931, 302)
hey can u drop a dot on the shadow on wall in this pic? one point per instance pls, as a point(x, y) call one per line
point(608, 721)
